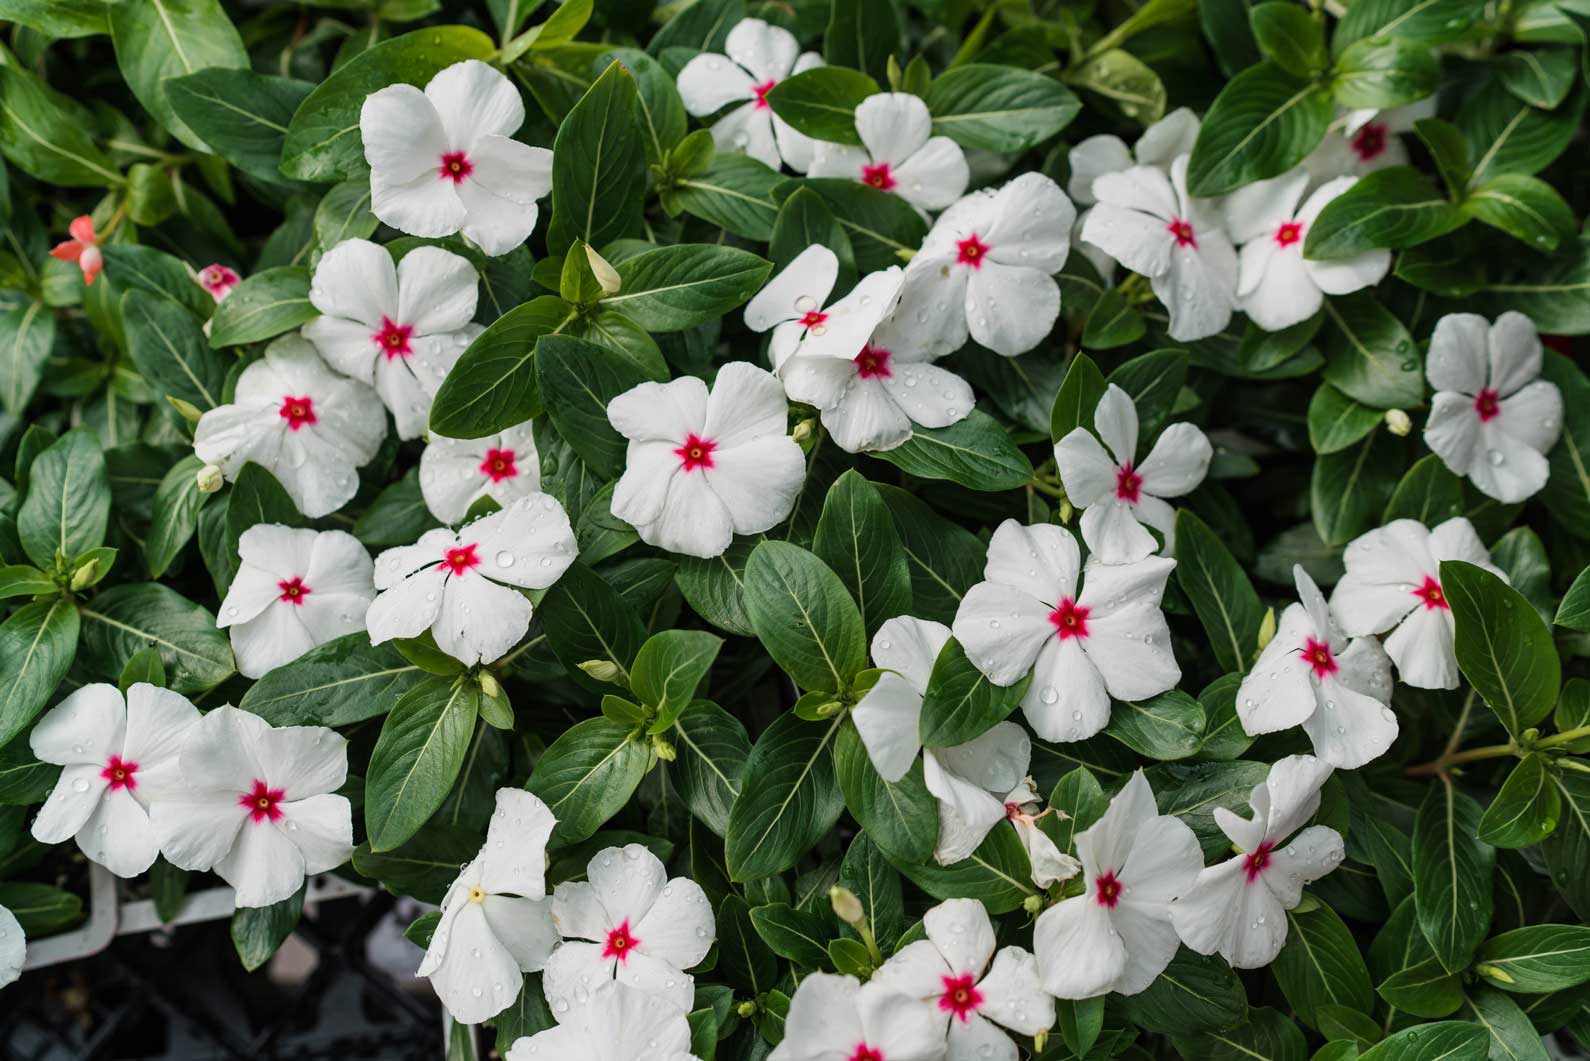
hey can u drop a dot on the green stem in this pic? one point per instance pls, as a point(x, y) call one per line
point(1567, 736)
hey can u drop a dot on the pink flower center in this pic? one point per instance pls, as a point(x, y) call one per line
point(1012, 811)
point(1183, 231)
point(878, 176)
point(863, 1052)
point(813, 318)
point(1431, 594)
point(293, 591)
point(393, 338)
point(120, 773)
point(960, 997)
point(459, 559)
point(695, 453)
point(1318, 655)
point(1107, 890)
point(1258, 861)
point(971, 251)
point(262, 801)
point(1128, 484)
point(1289, 233)
point(1070, 620)
point(1370, 141)
point(499, 465)
point(1488, 404)
point(455, 167)
point(761, 91)
point(217, 279)
point(620, 943)
point(298, 411)
point(873, 363)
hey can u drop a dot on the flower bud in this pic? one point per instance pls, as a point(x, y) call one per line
point(489, 685)
point(604, 272)
point(85, 575)
point(1032, 904)
point(1398, 423)
point(803, 432)
point(188, 410)
point(746, 1009)
point(846, 906)
point(1267, 629)
point(210, 479)
point(665, 750)
point(603, 670)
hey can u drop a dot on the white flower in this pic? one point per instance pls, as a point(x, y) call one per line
point(867, 387)
point(1118, 496)
point(759, 57)
point(496, 921)
point(1161, 143)
point(950, 972)
point(309, 427)
point(1366, 140)
point(702, 468)
point(444, 160)
point(457, 472)
point(1238, 907)
point(1393, 579)
point(117, 757)
point(1117, 935)
point(1491, 418)
point(13, 947)
point(1109, 639)
point(627, 921)
point(899, 154)
point(1049, 864)
point(399, 328)
point(1312, 676)
point(294, 589)
point(836, 1018)
point(1149, 224)
point(986, 270)
point(1277, 286)
point(621, 1023)
point(464, 585)
point(259, 807)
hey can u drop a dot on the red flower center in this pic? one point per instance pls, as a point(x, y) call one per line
point(120, 773)
point(1183, 231)
point(293, 590)
point(1106, 889)
point(1370, 141)
point(455, 167)
point(1258, 861)
point(1128, 484)
point(1431, 594)
point(878, 176)
point(761, 91)
point(971, 251)
point(1318, 654)
point(1488, 404)
point(393, 338)
point(873, 363)
point(298, 411)
point(262, 801)
point(459, 559)
point(1070, 620)
point(1289, 233)
point(863, 1052)
point(620, 943)
point(217, 278)
point(1012, 811)
point(499, 465)
point(695, 453)
point(960, 997)
point(813, 319)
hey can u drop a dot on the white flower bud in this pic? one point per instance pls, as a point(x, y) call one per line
point(210, 479)
point(846, 906)
point(1398, 423)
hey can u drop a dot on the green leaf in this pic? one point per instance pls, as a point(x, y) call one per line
point(804, 617)
point(735, 193)
point(866, 872)
point(712, 746)
point(1369, 355)
point(1567, 491)
point(58, 18)
point(1384, 72)
point(944, 559)
point(1349, 489)
point(1336, 421)
point(1125, 80)
point(669, 667)
point(746, 961)
point(585, 618)
point(47, 135)
point(1393, 207)
point(493, 386)
point(1428, 493)
point(1525, 208)
point(960, 702)
point(1450, 1040)
point(1567, 849)
point(1264, 122)
point(24, 580)
point(39, 908)
point(129, 617)
point(1427, 22)
point(1512, 1036)
point(795, 801)
point(998, 874)
point(1320, 965)
point(1165, 727)
point(1221, 594)
point(1574, 611)
point(163, 39)
point(856, 538)
point(37, 643)
point(800, 936)
point(862, 34)
point(1541, 77)
point(673, 288)
point(976, 453)
point(661, 110)
point(1003, 109)
point(577, 380)
point(168, 345)
point(1078, 396)
point(1112, 322)
point(344, 213)
point(1424, 989)
point(257, 498)
point(67, 506)
point(1289, 36)
point(821, 102)
point(175, 516)
point(27, 334)
point(1510, 136)
point(243, 116)
point(598, 166)
point(902, 816)
point(417, 758)
point(343, 681)
point(1503, 647)
point(1525, 811)
point(587, 775)
point(258, 931)
point(145, 666)
point(1268, 1034)
point(879, 224)
point(1194, 994)
point(424, 867)
point(263, 306)
point(1451, 875)
point(1536, 959)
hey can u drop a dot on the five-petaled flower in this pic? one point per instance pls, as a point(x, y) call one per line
point(400, 328)
point(627, 921)
point(496, 920)
point(899, 154)
point(218, 280)
point(1238, 907)
point(1118, 495)
point(837, 1018)
point(1363, 141)
point(444, 160)
point(457, 472)
point(118, 756)
point(759, 57)
point(294, 589)
point(259, 806)
point(309, 427)
point(82, 248)
point(620, 1023)
point(1492, 419)
point(700, 467)
point(1081, 645)
point(464, 585)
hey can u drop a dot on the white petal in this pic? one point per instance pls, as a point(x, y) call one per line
point(1079, 954)
point(1137, 239)
point(893, 125)
point(1198, 287)
point(800, 287)
point(72, 802)
point(1356, 730)
point(822, 1018)
point(523, 927)
point(1091, 159)
point(1150, 942)
point(1087, 471)
point(1114, 535)
point(1456, 539)
point(270, 639)
point(709, 82)
point(530, 543)
point(1506, 468)
point(436, 290)
point(1452, 430)
point(263, 866)
point(1284, 291)
point(996, 761)
point(917, 970)
point(767, 52)
point(473, 99)
point(851, 320)
point(1277, 694)
point(1042, 559)
point(1103, 846)
point(657, 977)
point(991, 289)
point(748, 130)
point(961, 931)
point(1343, 276)
point(423, 205)
point(1032, 224)
point(757, 481)
point(1313, 853)
point(500, 194)
point(662, 412)
point(321, 827)
point(1515, 352)
point(12, 948)
point(479, 620)
point(1048, 863)
point(1533, 415)
point(197, 830)
point(1421, 647)
point(1066, 700)
point(221, 751)
point(1172, 135)
point(571, 975)
point(478, 978)
point(86, 726)
point(934, 176)
point(746, 403)
point(523, 821)
point(865, 418)
point(1002, 629)
point(966, 811)
point(642, 491)
point(887, 719)
point(909, 647)
point(679, 928)
point(901, 1027)
point(402, 133)
point(837, 160)
point(1013, 994)
point(1255, 211)
point(157, 723)
point(408, 609)
point(693, 520)
point(356, 281)
point(1459, 353)
point(930, 320)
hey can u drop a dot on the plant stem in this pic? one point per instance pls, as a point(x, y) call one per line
point(1567, 736)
